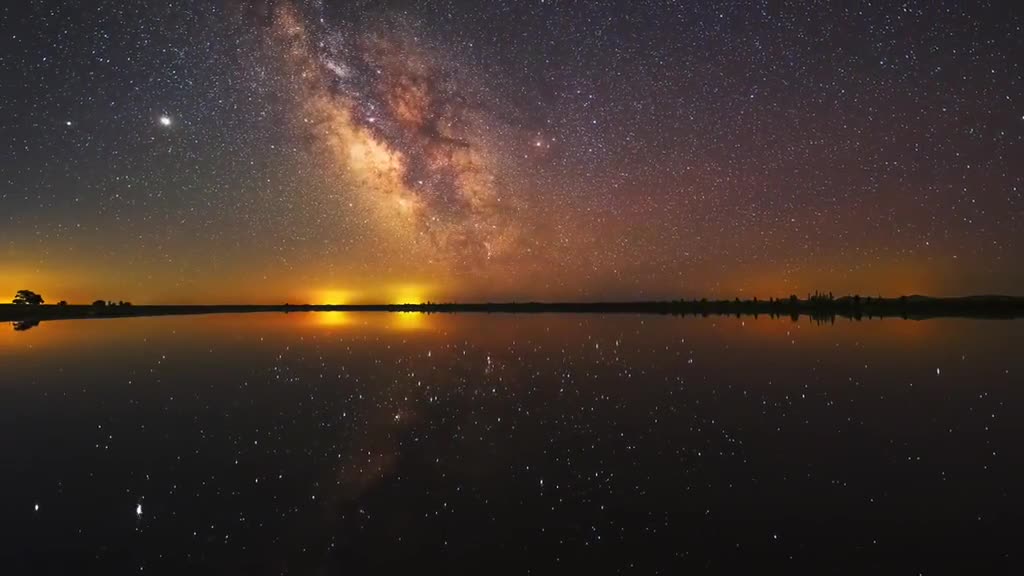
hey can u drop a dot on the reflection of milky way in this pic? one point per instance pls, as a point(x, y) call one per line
point(403, 133)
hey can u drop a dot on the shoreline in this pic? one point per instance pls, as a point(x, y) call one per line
point(914, 307)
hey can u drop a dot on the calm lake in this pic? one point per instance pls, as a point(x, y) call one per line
point(328, 443)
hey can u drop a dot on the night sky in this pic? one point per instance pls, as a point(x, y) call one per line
point(377, 151)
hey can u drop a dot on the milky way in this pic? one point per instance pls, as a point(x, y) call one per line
point(406, 133)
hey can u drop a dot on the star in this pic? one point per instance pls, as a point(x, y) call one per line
point(165, 121)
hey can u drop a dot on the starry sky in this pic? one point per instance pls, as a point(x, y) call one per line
point(391, 151)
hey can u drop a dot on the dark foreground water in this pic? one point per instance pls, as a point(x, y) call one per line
point(341, 443)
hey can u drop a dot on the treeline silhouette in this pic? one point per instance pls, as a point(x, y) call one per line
point(31, 299)
point(823, 307)
point(109, 304)
point(27, 309)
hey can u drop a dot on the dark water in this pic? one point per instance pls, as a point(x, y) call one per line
point(369, 443)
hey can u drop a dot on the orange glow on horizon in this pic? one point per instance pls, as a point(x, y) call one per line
point(333, 296)
point(408, 294)
point(80, 283)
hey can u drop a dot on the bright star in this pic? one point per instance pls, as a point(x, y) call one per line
point(165, 120)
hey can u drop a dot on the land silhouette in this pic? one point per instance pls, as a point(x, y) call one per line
point(819, 306)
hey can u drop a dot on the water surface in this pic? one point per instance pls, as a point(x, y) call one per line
point(367, 442)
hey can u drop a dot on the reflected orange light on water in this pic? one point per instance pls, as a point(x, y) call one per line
point(410, 321)
point(332, 318)
point(389, 321)
point(81, 337)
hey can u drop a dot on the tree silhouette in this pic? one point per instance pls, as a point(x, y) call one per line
point(25, 325)
point(27, 298)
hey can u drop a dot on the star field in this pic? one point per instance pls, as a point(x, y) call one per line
point(274, 150)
